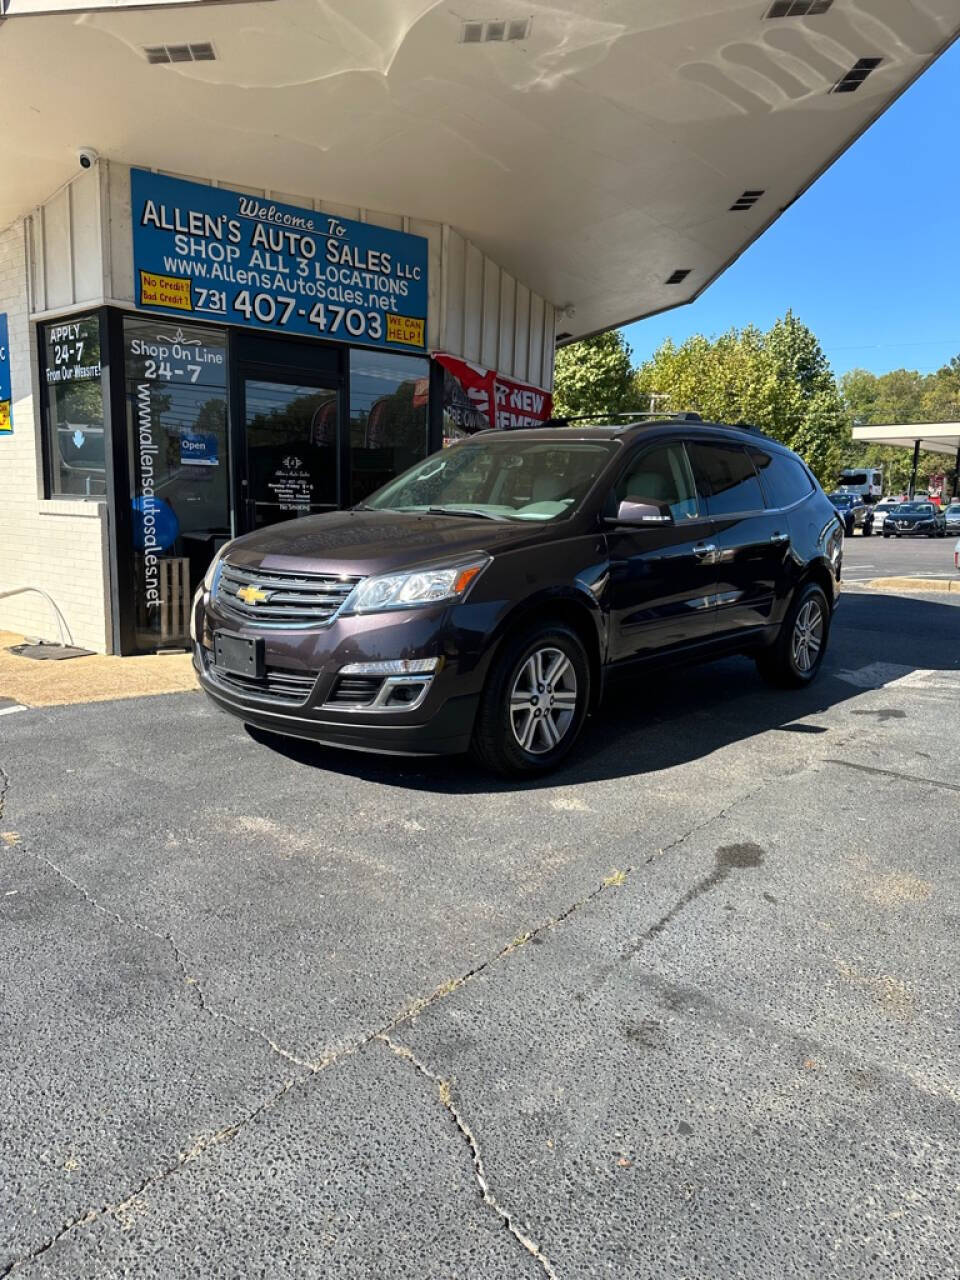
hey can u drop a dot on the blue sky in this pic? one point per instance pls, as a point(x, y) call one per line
point(869, 258)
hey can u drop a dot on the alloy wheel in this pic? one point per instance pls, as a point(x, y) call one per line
point(807, 636)
point(543, 700)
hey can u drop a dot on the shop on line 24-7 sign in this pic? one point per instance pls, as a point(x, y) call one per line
point(222, 255)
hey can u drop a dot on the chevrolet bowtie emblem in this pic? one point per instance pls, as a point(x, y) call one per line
point(253, 595)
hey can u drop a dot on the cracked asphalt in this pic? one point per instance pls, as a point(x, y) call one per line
point(687, 1009)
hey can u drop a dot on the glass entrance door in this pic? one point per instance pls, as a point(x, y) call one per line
point(290, 444)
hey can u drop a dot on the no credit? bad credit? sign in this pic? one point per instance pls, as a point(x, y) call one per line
point(222, 255)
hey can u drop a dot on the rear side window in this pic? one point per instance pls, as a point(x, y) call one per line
point(784, 479)
point(725, 478)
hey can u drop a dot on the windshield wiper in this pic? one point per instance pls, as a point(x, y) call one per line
point(470, 512)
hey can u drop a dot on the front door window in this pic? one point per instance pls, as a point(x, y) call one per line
point(290, 432)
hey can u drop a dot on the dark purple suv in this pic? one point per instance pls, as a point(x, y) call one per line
point(481, 600)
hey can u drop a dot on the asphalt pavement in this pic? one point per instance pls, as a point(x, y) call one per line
point(687, 1009)
point(879, 557)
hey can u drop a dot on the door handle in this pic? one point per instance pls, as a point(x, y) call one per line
point(778, 539)
point(706, 551)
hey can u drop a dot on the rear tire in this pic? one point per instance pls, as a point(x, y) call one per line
point(795, 657)
point(534, 703)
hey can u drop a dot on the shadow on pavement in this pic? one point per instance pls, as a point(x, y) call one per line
point(657, 720)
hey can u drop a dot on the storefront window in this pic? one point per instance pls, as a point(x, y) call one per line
point(73, 408)
point(176, 391)
point(388, 417)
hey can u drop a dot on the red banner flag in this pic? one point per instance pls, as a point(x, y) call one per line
point(506, 404)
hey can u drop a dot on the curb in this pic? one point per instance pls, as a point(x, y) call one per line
point(913, 584)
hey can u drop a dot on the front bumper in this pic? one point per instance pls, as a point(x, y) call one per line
point(911, 530)
point(311, 660)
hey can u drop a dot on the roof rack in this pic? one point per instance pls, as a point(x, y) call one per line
point(630, 418)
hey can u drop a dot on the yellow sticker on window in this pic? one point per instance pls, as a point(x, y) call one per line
point(6, 421)
point(405, 329)
point(165, 291)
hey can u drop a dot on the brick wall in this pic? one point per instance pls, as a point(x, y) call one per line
point(60, 546)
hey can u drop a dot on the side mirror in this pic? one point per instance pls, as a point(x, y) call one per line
point(642, 514)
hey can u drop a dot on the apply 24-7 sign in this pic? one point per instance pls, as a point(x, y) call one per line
point(222, 255)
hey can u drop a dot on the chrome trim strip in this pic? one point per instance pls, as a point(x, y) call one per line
point(378, 703)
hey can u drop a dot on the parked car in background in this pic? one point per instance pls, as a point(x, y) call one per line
point(852, 510)
point(915, 519)
point(952, 516)
point(879, 512)
point(484, 598)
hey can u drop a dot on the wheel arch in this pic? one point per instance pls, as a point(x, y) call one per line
point(576, 612)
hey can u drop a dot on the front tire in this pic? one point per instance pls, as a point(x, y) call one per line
point(534, 703)
point(795, 657)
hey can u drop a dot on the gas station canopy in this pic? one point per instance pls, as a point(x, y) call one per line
point(613, 155)
point(934, 437)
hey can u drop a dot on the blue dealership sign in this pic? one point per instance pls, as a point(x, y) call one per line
point(222, 255)
point(6, 395)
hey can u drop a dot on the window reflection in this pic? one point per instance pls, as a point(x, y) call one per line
point(388, 417)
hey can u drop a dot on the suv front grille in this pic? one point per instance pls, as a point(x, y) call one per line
point(278, 684)
point(292, 599)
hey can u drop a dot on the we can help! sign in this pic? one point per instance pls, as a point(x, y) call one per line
point(6, 416)
point(222, 255)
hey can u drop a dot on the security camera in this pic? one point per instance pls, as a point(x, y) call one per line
point(87, 157)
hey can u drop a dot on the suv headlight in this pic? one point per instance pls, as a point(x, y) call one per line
point(418, 587)
point(212, 576)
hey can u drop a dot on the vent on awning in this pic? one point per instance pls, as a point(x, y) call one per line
point(162, 53)
point(484, 31)
point(797, 8)
point(856, 75)
point(679, 275)
point(746, 201)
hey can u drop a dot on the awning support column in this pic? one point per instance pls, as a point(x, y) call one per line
point(956, 475)
point(913, 469)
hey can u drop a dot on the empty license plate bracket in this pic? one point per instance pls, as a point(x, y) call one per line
point(238, 655)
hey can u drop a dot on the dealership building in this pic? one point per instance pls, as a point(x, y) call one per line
point(257, 258)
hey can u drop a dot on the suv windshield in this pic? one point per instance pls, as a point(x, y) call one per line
point(841, 499)
point(915, 508)
point(500, 478)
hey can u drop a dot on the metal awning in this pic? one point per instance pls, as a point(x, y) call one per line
point(934, 437)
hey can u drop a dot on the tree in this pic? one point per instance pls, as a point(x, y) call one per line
point(902, 396)
point(595, 376)
point(779, 381)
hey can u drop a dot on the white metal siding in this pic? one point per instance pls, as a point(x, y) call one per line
point(493, 319)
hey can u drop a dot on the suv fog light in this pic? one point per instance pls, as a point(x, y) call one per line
point(394, 667)
point(401, 695)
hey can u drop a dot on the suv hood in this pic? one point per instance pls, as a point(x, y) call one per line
point(366, 542)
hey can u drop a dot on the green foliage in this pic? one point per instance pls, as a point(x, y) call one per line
point(779, 381)
point(595, 376)
point(906, 396)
